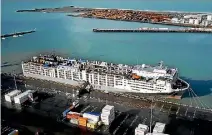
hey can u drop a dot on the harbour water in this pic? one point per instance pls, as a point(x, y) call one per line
point(73, 37)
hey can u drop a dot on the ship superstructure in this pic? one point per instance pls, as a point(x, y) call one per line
point(157, 79)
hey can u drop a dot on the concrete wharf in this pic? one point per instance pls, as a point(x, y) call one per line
point(18, 33)
point(157, 30)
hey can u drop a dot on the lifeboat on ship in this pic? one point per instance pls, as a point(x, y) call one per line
point(135, 77)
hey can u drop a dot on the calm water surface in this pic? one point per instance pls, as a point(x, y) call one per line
point(73, 37)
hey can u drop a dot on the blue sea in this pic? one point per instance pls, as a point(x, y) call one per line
point(73, 37)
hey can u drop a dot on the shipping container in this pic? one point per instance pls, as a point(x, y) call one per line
point(94, 113)
point(108, 109)
point(107, 120)
point(82, 121)
point(75, 113)
point(92, 125)
point(19, 99)
point(74, 121)
point(91, 117)
point(10, 96)
point(103, 115)
point(139, 131)
point(144, 127)
point(107, 117)
point(83, 124)
point(159, 127)
point(66, 111)
point(72, 116)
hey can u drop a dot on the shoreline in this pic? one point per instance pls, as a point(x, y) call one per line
point(151, 30)
point(158, 23)
point(88, 9)
point(142, 16)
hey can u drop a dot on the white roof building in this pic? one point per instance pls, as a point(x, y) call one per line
point(10, 96)
point(159, 127)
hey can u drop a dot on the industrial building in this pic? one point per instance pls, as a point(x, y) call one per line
point(10, 96)
point(19, 99)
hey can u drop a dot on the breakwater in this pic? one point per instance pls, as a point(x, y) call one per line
point(156, 30)
point(16, 34)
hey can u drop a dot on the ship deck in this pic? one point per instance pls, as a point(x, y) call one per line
point(163, 73)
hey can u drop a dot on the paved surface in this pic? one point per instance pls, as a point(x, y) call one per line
point(129, 112)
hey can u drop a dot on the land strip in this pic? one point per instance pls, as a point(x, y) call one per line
point(184, 19)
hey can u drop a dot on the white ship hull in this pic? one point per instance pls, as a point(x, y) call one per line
point(106, 76)
point(98, 87)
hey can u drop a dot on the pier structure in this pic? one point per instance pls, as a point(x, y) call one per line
point(157, 30)
point(17, 34)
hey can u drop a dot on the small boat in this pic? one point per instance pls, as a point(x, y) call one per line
point(15, 35)
point(20, 35)
point(3, 38)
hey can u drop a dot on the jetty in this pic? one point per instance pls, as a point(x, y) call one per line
point(17, 34)
point(157, 30)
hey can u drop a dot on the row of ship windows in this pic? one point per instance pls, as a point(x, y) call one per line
point(76, 74)
point(147, 87)
point(95, 81)
point(101, 81)
point(134, 85)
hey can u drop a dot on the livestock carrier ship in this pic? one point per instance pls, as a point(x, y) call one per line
point(146, 79)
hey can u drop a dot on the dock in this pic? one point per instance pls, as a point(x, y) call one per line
point(157, 30)
point(17, 34)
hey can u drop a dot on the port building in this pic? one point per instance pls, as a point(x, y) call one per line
point(159, 127)
point(23, 97)
point(10, 96)
point(141, 129)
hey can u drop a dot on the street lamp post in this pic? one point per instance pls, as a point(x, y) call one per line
point(151, 116)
